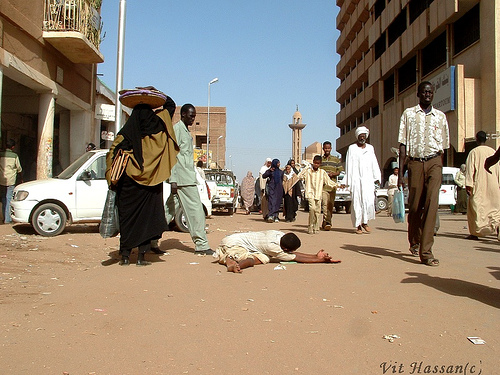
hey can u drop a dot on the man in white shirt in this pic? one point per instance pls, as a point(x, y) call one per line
point(423, 137)
point(242, 250)
point(391, 189)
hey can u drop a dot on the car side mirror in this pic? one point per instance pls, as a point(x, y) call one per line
point(85, 176)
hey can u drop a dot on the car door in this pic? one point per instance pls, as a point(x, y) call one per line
point(91, 189)
point(447, 191)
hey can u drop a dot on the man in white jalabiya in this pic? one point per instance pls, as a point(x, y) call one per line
point(362, 173)
point(483, 211)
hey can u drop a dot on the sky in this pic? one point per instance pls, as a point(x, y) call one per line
point(269, 56)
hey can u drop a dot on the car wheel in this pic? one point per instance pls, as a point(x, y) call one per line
point(347, 207)
point(381, 204)
point(49, 220)
point(181, 221)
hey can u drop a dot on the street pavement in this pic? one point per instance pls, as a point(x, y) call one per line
point(68, 307)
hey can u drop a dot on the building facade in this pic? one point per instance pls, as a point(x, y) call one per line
point(387, 47)
point(48, 55)
point(217, 148)
point(311, 151)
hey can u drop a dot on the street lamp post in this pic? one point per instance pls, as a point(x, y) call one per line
point(208, 120)
point(220, 136)
point(119, 64)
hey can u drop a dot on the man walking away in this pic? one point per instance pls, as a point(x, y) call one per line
point(483, 211)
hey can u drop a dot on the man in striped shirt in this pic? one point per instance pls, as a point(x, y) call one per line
point(315, 179)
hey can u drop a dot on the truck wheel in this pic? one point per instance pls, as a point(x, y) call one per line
point(381, 204)
point(49, 220)
point(180, 221)
point(348, 207)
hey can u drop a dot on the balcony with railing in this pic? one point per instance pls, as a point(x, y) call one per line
point(73, 27)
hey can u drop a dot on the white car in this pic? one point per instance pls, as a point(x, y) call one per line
point(447, 192)
point(77, 195)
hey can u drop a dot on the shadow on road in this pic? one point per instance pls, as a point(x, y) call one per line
point(403, 229)
point(488, 249)
point(114, 258)
point(174, 243)
point(485, 294)
point(485, 240)
point(380, 252)
point(27, 229)
point(344, 230)
point(495, 273)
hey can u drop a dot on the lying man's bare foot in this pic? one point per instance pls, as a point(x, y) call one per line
point(232, 266)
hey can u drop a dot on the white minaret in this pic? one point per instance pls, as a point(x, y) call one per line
point(297, 127)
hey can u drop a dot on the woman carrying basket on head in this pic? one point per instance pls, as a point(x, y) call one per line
point(148, 138)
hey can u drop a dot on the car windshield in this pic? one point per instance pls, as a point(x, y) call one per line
point(220, 178)
point(70, 171)
point(448, 179)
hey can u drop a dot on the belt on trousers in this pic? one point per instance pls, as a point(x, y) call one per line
point(426, 158)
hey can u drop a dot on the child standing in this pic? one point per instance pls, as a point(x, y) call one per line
point(315, 179)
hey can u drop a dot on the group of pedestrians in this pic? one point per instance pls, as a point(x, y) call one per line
point(320, 183)
point(423, 137)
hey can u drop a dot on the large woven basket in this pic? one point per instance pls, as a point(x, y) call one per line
point(153, 98)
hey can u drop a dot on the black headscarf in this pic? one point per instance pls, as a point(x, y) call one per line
point(141, 123)
point(277, 174)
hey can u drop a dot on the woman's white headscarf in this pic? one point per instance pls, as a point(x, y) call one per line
point(362, 130)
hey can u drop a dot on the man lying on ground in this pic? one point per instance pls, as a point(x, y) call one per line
point(242, 250)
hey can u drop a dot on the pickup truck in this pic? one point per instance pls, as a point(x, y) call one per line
point(343, 198)
point(223, 189)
